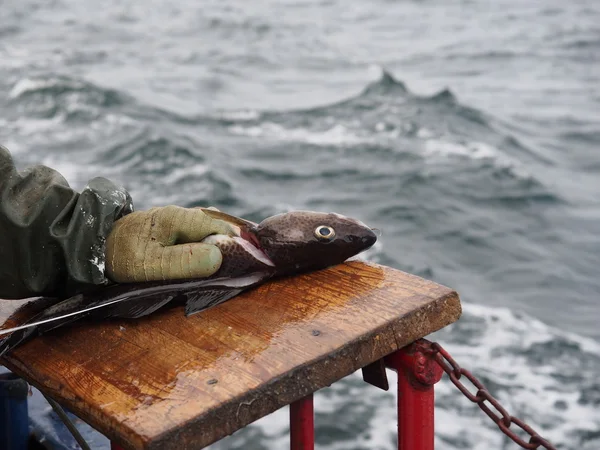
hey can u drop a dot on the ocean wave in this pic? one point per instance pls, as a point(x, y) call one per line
point(59, 86)
point(439, 150)
point(500, 56)
point(336, 135)
point(584, 136)
point(443, 96)
point(290, 174)
point(243, 115)
point(384, 83)
point(387, 93)
point(402, 137)
point(70, 106)
point(148, 151)
point(544, 387)
point(474, 150)
point(386, 114)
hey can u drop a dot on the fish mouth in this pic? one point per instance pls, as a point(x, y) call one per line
point(368, 239)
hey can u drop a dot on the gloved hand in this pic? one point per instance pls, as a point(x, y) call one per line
point(163, 244)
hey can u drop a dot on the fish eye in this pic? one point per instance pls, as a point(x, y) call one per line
point(324, 233)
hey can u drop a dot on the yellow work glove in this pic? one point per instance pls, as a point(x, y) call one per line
point(163, 244)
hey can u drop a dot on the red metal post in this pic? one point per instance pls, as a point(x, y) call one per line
point(417, 373)
point(302, 424)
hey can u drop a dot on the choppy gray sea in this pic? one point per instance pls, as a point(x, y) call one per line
point(467, 131)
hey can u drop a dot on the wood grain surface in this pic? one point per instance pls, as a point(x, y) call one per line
point(171, 382)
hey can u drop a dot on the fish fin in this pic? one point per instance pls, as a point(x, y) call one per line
point(57, 315)
point(52, 317)
point(72, 310)
point(136, 308)
point(200, 301)
point(119, 301)
point(153, 294)
point(127, 301)
point(243, 223)
point(67, 310)
point(220, 291)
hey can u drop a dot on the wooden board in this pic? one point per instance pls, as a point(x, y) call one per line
point(171, 382)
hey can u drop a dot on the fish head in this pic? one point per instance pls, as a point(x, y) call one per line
point(307, 240)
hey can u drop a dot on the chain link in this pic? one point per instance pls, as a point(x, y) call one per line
point(498, 414)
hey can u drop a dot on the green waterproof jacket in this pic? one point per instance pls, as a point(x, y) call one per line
point(51, 237)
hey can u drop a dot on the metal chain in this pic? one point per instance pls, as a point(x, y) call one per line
point(500, 416)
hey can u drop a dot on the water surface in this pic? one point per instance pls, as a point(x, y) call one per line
point(467, 131)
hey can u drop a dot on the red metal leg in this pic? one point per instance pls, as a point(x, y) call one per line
point(302, 424)
point(114, 446)
point(417, 373)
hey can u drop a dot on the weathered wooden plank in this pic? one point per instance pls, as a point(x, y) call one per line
point(171, 382)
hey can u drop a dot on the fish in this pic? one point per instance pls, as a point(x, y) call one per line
point(285, 244)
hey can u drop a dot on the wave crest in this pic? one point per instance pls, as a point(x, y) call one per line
point(68, 98)
point(56, 86)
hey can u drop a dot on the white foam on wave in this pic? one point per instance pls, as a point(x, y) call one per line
point(438, 150)
point(540, 392)
point(424, 133)
point(475, 150)
point(177, 175)
point(336, 135)
point(240, 115)
point(25, 85)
